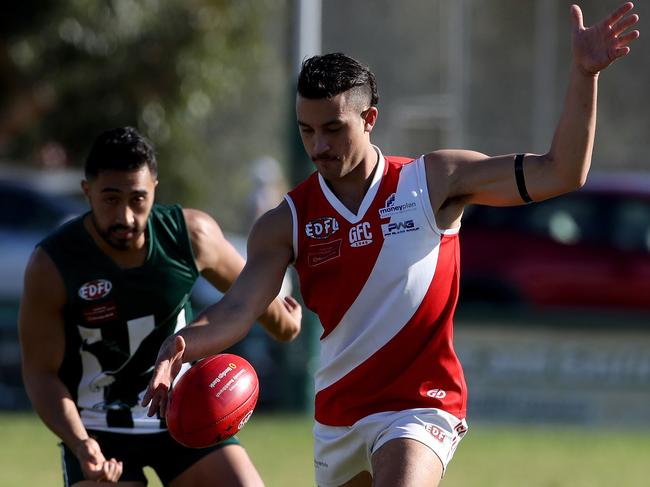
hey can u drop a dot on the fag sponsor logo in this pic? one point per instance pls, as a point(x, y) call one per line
point(229, 368)
point(96, 289)
point(397, 228)
point(436, 393)
point(322, 228)
point(391, 208)
point(429, 389)
point(436, 432)
point(360, 235)
point(320, 253)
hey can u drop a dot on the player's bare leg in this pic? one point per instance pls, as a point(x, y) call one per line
point(407, 463)
point(230, 465)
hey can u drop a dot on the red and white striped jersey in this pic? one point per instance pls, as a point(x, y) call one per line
point(384, 283)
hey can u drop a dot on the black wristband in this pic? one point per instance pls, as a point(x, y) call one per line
point(519, 176)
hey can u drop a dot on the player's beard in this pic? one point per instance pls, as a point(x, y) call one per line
point(108, 234)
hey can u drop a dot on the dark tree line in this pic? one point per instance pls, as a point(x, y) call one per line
point(69, 70)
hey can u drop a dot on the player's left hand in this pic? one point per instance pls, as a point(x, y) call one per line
point(168, 365)
point(94, 465)
point(596, 47)
point(295, 311)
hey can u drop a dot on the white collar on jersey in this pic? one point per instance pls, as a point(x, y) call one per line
point(367, 199)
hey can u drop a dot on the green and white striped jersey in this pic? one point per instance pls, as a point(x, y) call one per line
point(116, 319)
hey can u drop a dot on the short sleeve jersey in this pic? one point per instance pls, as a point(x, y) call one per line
point(116, 319)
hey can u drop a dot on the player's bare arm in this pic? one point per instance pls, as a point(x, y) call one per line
point(220, 263)
point(228, 321)
point(42, 341)
point(457, 178)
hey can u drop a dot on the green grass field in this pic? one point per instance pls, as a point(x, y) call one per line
point(490, 455)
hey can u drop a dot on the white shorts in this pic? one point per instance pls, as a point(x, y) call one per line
point(341, 452)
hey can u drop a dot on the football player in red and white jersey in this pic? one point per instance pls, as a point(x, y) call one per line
point(374, 239)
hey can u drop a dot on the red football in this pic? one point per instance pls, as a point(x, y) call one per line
point(212, 401)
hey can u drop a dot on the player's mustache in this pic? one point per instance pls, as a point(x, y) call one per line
point(324, 157)
point(119, 228)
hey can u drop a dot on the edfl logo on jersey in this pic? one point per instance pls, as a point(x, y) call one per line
point(360, 235)
point(322, 228)
point(96, 289)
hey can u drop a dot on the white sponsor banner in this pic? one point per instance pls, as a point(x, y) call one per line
point(526, 372)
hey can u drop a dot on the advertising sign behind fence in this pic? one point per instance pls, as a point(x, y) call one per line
point(561, 374)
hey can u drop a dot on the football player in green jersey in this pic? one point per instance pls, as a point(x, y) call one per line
point(101, 294)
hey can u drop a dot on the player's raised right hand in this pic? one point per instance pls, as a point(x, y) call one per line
point(168, 365)
point(596, 47)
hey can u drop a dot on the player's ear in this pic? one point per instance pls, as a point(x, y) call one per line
point(370, 118)
point(85, 187)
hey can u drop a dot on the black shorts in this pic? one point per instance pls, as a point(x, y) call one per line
point(160, 451)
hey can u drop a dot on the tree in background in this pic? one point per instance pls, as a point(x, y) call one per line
point(176, 69)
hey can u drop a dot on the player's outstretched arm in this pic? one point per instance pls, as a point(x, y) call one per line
point(220, 263)
point(42, 340)
point(226, 322)
point(594, 49)
point(476, 178)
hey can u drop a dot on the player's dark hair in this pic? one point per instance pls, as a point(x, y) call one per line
point(122, 149)
point(331, 74)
